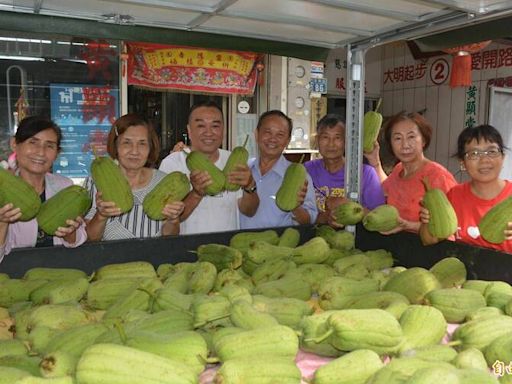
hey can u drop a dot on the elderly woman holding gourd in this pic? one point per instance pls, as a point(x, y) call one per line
point(37, 145)
point(408, 136)
point(134, 144)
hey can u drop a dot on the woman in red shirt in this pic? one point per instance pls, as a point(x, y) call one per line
point(480, 151)
point(407, 136)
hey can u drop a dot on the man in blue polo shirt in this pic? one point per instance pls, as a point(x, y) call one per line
point(273, 134)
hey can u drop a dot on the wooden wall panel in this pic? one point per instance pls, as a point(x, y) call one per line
point(419, 99)
point(398, 100)
point(408, 103)
point(431, 114)
point(457, 109)
point(398, 61)
point(503, 71)
point(445, 108)
point(483, 101)
point(387, 103)
point(442, 129)
point(388, 54)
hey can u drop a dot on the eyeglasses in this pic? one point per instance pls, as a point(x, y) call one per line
point(476, 154)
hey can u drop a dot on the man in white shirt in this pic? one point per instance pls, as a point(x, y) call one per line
point(204, 213)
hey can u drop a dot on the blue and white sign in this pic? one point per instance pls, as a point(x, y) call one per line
point(318, 86)
point(85, 114)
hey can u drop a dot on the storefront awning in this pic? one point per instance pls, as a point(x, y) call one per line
point(304, 29)
point(95, 30)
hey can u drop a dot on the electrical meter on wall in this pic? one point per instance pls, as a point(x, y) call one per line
point(299, 103)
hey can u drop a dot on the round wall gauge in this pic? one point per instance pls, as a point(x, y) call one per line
point(298, 133)
point(243, 106)
point(300, 71)
point(299, 102)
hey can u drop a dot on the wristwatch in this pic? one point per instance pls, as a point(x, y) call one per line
point(250, 189)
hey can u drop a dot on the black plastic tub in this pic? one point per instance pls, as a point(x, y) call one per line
point(406, 248)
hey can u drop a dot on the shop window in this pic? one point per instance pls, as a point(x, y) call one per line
point(168, 111)
point(72, 80)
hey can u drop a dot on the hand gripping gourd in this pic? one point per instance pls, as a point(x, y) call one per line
point(443, 220)
point(381, 219)
point(173, 187)
point(111, 182)
point(349, 213)
point(239, 156)
point(495, 221)
point(20, 194)
point(67, 204)
point(372, 122)
point(197, 161)
point(293, 181)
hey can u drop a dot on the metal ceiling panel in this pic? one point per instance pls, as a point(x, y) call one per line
point(98, 9)
point(205, 5)
point(475, 6)
point(318, 23)
point(42, 25)
point(486, 31)
point(411, 8)
point(9, 5)
point(273, 31)
point(296, 11)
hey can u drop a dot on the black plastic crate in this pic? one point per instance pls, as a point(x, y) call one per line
point(406, 248)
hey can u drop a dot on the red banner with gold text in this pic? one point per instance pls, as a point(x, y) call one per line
point(193, 69)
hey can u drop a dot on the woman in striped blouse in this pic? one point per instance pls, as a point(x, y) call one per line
point(134, 144)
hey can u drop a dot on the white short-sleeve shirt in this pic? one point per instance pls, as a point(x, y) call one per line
point(213, 213)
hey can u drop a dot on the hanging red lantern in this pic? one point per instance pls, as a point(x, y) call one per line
point(461, 62)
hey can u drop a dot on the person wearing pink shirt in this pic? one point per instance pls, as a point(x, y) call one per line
point(37, 144)
point(407, 136)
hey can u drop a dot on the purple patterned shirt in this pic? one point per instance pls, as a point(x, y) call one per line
point(333, 184)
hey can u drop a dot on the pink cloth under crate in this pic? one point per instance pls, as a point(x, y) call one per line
point(308, 363)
